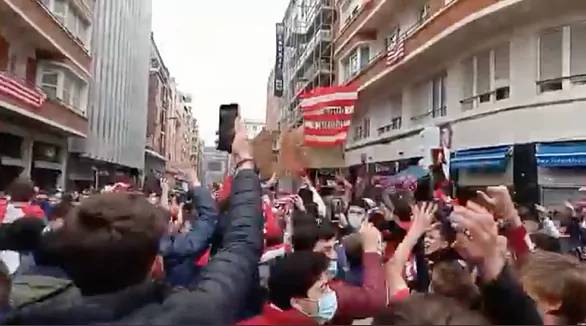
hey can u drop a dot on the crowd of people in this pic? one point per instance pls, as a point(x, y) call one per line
point(244, 253)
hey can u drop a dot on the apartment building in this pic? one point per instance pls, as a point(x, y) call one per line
point(45, 72)
point(253, 127)
point(274, 104)
point(308, 61)
point(502, 82)
point(215, 164)
point(159, 104)
point(114, 147)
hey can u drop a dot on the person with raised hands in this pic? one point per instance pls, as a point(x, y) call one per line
point(478, 241)
point(499, 201)
point(107, 246)
point(422, 217)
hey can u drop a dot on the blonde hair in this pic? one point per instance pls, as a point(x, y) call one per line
point(555, 278)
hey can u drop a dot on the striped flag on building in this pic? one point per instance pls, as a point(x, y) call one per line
point(19, 89)
point(327, 114)
point(396, 52)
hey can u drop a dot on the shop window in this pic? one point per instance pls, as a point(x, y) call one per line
point(10, 145)
point(550, 60)
point(45, 152)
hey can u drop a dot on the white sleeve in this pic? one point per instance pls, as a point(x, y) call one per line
point(321, 206)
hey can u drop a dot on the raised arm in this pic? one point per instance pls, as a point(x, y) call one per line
point(224, 282)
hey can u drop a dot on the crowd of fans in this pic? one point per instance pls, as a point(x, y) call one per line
point(244, 253)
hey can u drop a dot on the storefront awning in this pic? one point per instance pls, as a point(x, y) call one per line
point(565, 154)
point(494, 158)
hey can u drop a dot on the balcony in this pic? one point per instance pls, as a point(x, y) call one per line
point(421, 34)
point(357, 22)
point(44, 31)
point(25, 99)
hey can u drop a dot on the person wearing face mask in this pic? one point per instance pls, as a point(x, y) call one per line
point(354, 302)
point(299, 293)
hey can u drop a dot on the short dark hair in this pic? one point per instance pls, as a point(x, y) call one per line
point(110, 241)
point(326, 231)
point(293, 275)
point(304, 237)
point(428, 309)
point(300, 219)
point(21, 190)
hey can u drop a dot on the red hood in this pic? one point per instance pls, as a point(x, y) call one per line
point(271, 315)
point(226, 189)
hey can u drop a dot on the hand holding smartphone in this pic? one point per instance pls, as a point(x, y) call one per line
point(226, 132)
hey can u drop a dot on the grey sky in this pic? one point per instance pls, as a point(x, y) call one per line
point(220, 51)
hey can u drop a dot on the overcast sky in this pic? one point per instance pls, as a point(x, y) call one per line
point(220, 51)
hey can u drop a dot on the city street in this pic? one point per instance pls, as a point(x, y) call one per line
point(293, 162)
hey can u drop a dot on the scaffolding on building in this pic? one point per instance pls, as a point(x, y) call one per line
point(309, 53)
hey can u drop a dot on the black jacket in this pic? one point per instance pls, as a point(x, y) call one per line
point(505, 302)
point(220, 292)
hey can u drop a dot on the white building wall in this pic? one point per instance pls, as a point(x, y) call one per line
point(527, 116)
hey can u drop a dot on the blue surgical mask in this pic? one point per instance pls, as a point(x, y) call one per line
point(333, 269)
point(327, 307)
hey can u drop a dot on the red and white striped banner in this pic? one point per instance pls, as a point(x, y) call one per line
point(18, 90)
point(396, 52)
point(327, 114)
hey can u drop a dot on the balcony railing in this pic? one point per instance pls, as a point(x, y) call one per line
point(360, 16)
point(21, 89)
point(394, 125)
point(384, 52)
point(420, 33)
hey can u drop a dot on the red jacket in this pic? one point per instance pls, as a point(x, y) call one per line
point(361, 302)
point(272, 315)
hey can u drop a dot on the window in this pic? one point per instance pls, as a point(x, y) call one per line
point(366, 127)
point(354, 67)
point(67, 14)
point(550, 60)
point(485, 74)
point(468, 79)
point(63, 85)
point(392, 39)
point(578, 53)
point(49, 82)
point(356, 61)
point(424, 12)
point(501, 71)
point(364, 56)
point(439, 96)
point(59, 9)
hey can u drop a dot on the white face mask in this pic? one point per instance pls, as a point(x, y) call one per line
point(356, 216)
point(154, 200)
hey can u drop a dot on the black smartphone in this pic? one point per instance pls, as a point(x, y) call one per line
point(228, 113)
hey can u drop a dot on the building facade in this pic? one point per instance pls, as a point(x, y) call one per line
point(215, 164)
point(274, 104)
point(45, 72)
point(501, 83)
point(159, 104)
point(308, 54)
point(178, 132)
point(253, 127)
point(117, 112)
